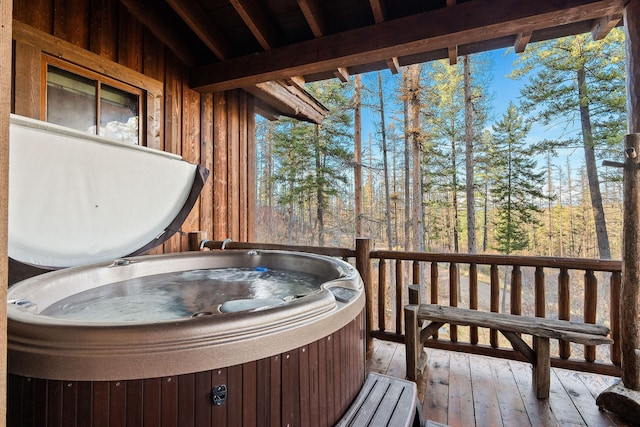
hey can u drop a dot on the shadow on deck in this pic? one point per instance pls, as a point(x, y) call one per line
point(460, 389)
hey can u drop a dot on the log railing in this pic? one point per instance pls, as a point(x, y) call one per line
point(547, 277)
point(545, 283)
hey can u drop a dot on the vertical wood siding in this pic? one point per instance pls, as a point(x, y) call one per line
point(215, 130)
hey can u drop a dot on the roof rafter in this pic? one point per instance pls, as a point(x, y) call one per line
point(378, 10)
point(427, 31)
point(195, 17)
point(256, 19)
point(602, 26)
point(314, 16)
point(522, 40)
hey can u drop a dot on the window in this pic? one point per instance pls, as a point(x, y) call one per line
point(89, 102)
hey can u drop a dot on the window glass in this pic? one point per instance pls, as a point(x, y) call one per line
point(71, 100)
point(83, 100)
point(118, 114)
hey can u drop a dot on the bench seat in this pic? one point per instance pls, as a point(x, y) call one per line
point(510, 325)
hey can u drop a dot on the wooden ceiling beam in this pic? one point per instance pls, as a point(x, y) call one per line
point(393, 65)
point(453, 55)
point(522, 40)
point(196, 18)
point(602, 27)
point(424, 32)
point(314, 16)
point(377, 8)
point(256, 19)
point(289, 100)
point(161, 30)
point(342, 74)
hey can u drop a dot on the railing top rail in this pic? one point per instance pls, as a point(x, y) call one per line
point(523, 261)
point(321, 250)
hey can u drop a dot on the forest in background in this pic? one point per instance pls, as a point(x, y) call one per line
point(443, 171)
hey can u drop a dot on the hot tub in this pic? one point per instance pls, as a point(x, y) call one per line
point(213, 352)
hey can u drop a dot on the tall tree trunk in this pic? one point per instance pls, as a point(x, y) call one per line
point(485, 214)
point(572, 238)
point(602, 236)
point(407, 153)
point(357, 151)
point(549, 206)
point(320, 189)
point(468, 133)
point(387, 200)
point(417, 223)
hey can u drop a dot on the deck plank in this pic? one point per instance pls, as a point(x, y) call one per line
point(459, 389)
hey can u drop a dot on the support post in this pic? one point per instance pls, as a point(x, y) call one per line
point(6, 15)
point(363, 265)
point(623, 398)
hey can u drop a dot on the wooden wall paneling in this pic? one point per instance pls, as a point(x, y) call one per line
point(234, 395)
point(330, 379)
point(220, 167)
point(169, 405)
point(104, 32)
point(219, 412)
point(100, 403)
point(263, 391)
point(206, 159)
point(251, 169)
point(249, 394)
point(233, 129)
point(69, 403)
point(36, 13)
point(152, 401)
point(16, 416)
point(134, 402)
point(28, 66)
point(304, 378)
point(202, 399)
point(290, 389)
point(71, 22)
point(275, 384)
point(153, 56)
point(186, 399)
point(173, 124)
point(190, 149)
point(337, 374)
point(129, 40)
point(243, 166)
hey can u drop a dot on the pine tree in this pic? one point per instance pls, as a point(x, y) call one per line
point(516, 184)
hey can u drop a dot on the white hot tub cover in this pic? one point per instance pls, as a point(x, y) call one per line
point(76, 198)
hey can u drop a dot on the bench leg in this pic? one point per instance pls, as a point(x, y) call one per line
point(542, 367)
point(412, 340)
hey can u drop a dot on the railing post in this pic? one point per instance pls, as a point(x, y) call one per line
point(382, 294)
point(516, 290)
point(363, 265)
point(453, 297)
point(495, 301)
point(541, 298)
point(399, 301)
point(564, 308)
point(614, 314)
point(434, 287)
point(590, 303)
point(473, 299)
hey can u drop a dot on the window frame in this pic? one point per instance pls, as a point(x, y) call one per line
point(100, 79)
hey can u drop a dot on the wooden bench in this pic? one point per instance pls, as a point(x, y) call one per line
point(384, 401)
point(509, 325)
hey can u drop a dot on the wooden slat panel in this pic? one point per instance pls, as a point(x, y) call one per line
point(202, 399)
point(304, 383)
point(54, 403)
point(101, 404)
point(290, 389)
point(18, 388)
point(85, 390)
point(275, 414)
point(134, 402)
point(234, 396)
point(104, 36)
point(186, 399)
point(314, 387)
point(129, 50)
point(69, 403)
point(233, 170)
point(36, 13)
point(71, 22)
point(220, 167)
point(28, 67)
point(249, 394)
point(251, 169)
point(206, 159)
point(117, 403)
point(263, 392)
point(323, 370)
point(169, 402)
point(152, 401)
point(190, 148)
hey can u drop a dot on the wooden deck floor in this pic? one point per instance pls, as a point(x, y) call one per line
point(465, 390)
